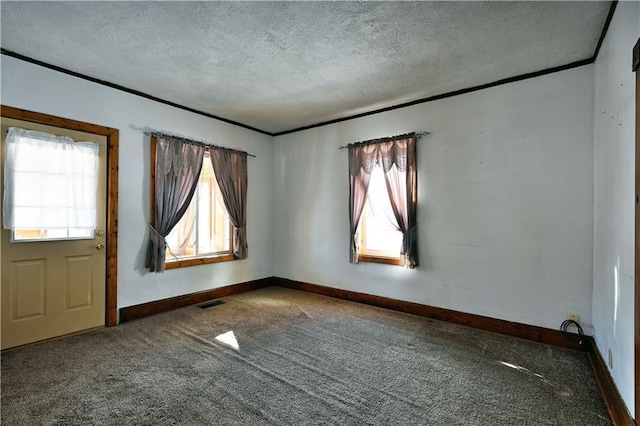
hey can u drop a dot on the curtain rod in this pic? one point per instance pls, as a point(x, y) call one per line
point(194, 142)
point(392, 138)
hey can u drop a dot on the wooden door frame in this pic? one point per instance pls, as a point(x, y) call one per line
point(112, 135)
point(636, 69)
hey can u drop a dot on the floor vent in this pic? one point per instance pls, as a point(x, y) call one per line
point(211, 304)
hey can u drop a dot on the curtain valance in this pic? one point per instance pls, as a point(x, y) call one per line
point(384, 154)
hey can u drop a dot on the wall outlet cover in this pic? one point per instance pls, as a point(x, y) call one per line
point(573, 317)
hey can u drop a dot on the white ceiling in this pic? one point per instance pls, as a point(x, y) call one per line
point(278, 66)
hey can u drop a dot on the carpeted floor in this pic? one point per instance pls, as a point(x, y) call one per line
point(302, 359)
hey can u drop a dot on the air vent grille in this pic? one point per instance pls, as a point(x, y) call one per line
point(211, 304)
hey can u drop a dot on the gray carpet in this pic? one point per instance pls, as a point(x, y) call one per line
point(302, 359)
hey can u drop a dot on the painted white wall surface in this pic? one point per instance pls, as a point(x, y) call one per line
point(614, 194)
point(35, 88)
point(505, 193)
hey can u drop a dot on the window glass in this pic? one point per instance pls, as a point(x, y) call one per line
point(378, 233)
point(51, 185)
point(205, 229)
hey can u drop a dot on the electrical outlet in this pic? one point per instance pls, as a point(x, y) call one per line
point(573, 317)
point(610, 359)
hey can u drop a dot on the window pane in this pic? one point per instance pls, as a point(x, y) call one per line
point(222, 227)
point(52, 234)
point(27, 234)
point(50, 181)
point(204, 229)
point(181, 239)
point(80, 233)
point(380, 236)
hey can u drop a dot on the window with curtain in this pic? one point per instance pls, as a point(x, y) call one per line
point(198, 199)
point(383, 201)
point(205, 229)
point(50, 186)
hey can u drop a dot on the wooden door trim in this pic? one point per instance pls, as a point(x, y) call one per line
point(112, 135)
point(636, 69)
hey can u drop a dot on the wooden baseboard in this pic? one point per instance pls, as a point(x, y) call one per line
point(612, 399)
point(523, 331)
point(158, 306)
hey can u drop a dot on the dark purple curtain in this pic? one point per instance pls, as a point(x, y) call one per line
point(177, 168)
point(358, 187)
point(402, 188)
point(230, 168)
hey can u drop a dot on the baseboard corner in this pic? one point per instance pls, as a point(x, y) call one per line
point(142, 310)
point(616, 407)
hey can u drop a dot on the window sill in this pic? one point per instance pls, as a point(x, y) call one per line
point(379, 259)
point(198, 261)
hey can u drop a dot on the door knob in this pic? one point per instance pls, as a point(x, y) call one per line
point(100, 246)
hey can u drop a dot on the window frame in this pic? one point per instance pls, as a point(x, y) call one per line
point(191, 261)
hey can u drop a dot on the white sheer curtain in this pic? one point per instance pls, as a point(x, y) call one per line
point(379, 203)
point(49, 181)
point(182, 236)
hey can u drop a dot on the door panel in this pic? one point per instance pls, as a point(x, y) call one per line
point(78, 282)
point(28, 283)
point(53, 288)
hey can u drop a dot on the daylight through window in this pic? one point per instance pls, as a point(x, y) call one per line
point(51, 186)
point(379, 235)
point(204, 230)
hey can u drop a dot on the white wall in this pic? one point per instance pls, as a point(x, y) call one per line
point(614, 177)
point(505, 202)
point(34, 88)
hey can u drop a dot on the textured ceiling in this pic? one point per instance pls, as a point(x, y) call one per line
point(278, 66)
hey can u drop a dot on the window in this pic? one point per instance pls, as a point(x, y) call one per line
point(51, 187)
point(198, 204)
point(204, 230)
point(379, 237)
point(383, 201)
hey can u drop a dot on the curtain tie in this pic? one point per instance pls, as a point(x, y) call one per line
point(156, 236)
point(411, 231)
point(408, 237)
point(160, 240)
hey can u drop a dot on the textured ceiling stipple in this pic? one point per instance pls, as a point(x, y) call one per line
point(278, 66)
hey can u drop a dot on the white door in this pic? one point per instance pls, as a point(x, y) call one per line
point(57, 287)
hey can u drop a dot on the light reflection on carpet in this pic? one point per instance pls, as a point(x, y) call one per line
point(229, 339)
